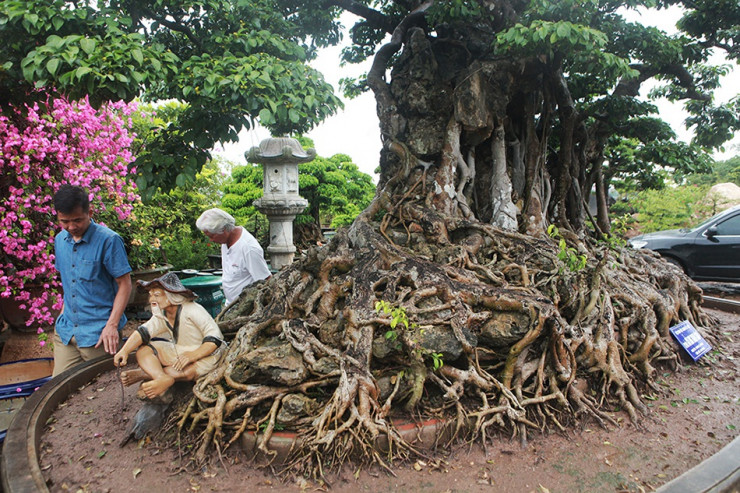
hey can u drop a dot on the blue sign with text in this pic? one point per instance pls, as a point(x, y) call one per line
point(690, 339)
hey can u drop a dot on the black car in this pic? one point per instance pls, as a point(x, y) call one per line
point(708, 252)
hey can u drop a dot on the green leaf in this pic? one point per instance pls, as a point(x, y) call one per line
point(82, 71)
point(138, 56)
point(266, 116)
point(55, 41)
point(88, 45)
point(57, 22)
point(563, 30)
point(52, 66)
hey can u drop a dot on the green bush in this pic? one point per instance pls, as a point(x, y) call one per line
point(190, 252)
point(671, 208)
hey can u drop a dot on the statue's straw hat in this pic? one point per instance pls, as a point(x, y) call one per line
point(169, 282)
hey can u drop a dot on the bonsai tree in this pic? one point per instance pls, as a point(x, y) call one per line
point(475, 286)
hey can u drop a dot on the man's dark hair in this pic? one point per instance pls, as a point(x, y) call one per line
point(69, 198)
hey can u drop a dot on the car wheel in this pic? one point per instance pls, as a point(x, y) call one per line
point(675, 262)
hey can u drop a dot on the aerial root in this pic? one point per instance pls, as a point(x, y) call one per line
point(584, 404)
point(213, 430)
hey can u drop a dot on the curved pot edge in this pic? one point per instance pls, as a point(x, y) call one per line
point(20, 468)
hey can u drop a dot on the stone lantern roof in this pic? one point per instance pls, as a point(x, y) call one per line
point(280, 150)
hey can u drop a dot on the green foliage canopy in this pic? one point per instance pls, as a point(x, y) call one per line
point(229, 62)
point(605, 60)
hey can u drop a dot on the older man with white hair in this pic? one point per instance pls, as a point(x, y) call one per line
point(242, 258)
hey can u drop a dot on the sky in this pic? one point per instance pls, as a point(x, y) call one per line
point(354, 130)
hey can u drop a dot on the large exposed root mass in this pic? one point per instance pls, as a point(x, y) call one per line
point(401, 319)
point(476, 287)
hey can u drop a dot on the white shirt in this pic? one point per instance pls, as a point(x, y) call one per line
point(242, 264)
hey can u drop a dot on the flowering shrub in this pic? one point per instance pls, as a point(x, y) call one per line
point(41, 148)
point(140, 235)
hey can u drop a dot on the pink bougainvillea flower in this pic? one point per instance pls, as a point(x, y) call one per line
point(40, 149)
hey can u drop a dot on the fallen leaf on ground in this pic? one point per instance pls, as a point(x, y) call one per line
point(137, 471)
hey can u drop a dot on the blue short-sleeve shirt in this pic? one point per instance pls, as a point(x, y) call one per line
point(89, 269)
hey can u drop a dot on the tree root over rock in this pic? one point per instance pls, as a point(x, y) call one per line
point(485, 328)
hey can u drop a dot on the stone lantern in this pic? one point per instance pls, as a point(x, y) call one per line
point(280, 202)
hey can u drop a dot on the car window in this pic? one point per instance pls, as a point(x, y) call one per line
point(710, 220)
point(729, 227)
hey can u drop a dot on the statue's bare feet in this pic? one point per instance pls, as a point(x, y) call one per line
point(158, 386)
point(130, 377)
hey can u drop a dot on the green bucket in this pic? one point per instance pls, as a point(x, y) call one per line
point(208, 289)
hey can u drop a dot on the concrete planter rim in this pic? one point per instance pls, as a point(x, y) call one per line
point(20, 462)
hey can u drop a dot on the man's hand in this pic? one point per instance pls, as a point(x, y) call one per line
point(109, 338)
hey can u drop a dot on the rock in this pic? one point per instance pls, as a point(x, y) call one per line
point(294, 407)
point(442, 340)
point(383, 347)
point(726, 194)
point(325, 365)
point(276, 361)
point(387, 383)
point(720, 197)
point(148, 419)
point(504, 329)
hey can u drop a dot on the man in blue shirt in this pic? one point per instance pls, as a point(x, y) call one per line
point(92, 262)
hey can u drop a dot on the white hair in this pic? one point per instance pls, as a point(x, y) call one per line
point(215, 221)
point(175, 298)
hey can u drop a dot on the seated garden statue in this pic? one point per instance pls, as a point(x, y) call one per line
point(180, 342)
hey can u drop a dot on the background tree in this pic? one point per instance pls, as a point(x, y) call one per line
point(171, 217)
point(721, 172)
point(228, 62)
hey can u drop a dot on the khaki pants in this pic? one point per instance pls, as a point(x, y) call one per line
point(68, 355)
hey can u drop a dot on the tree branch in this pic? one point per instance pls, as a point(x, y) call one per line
point(174, 26)
point(376, 75)
point(374, 18)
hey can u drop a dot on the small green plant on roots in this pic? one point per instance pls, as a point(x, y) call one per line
point(568, 255)
point(399, 316)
